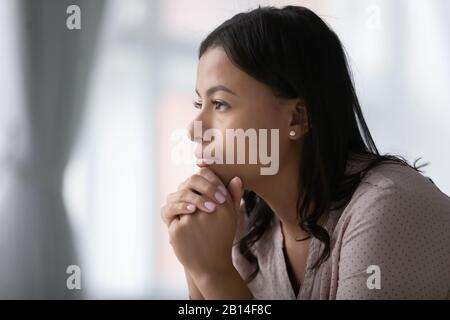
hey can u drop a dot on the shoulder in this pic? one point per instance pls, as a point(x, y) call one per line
point(396, 184)
point(392, 196)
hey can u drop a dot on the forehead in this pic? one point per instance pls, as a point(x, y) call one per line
point(215, 68)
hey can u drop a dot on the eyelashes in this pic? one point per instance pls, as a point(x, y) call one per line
point(218, 105)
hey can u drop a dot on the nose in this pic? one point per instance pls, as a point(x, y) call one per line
point(193, 132)
point(196, 127)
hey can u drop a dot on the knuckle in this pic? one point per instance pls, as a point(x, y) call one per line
point(180, 207)
point(193, 178)
point(184, 221)
point(210, 189)
point(181, 195)
point(163, 212)
point(200, 201)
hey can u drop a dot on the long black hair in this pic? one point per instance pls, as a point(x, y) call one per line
point(295, 53)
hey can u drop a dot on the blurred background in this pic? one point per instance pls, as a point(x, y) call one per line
point(87, 117)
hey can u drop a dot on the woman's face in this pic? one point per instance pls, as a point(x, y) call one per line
point(228, 98)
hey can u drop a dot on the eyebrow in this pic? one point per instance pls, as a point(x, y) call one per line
point(219, 87)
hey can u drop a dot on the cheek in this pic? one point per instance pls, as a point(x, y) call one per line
point(258, 117)
point(230, 168)
point(254, 116)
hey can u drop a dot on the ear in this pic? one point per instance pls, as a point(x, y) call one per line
point(298, 119)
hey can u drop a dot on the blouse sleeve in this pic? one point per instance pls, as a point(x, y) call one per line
point(395, 246)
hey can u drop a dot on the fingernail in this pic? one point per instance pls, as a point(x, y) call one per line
point(220, 197)
point(190, 207)
point(210, 206)
point(223, 190)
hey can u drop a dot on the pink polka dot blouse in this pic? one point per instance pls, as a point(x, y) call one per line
point(391, 241)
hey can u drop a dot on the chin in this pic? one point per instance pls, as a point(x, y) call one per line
point(224, 172)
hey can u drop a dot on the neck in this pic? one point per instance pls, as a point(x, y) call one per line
point(281, 192)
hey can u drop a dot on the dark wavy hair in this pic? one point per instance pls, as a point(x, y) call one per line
point(295, 53)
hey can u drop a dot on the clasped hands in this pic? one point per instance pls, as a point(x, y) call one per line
point(201, 217)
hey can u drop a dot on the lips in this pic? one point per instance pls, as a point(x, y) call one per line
point(201, 163)
point(201, 160)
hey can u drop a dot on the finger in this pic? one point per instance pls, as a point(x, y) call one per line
point(208, 174)
point(200, 201)
point(204, 187)
point(235, 187)
point(172, 210)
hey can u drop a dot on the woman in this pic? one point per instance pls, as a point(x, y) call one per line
point(338, 220)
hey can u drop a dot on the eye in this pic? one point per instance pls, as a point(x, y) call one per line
point(197, 105)
point(220, 105)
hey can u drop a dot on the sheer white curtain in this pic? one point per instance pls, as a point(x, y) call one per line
point(35, 234)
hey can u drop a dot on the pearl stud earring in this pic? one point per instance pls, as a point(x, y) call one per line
point(292, 133)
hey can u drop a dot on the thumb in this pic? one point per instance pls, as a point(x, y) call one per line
point(236, 190)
